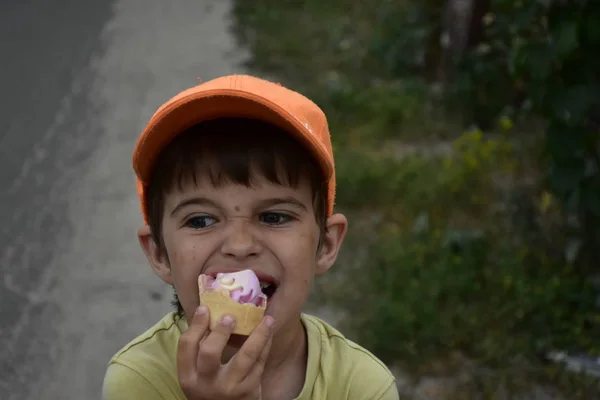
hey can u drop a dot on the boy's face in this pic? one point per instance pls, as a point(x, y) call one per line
point(268, 228)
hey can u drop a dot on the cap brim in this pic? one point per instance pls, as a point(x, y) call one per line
point(183, 113)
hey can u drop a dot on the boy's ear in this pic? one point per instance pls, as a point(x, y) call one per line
point(158, 260)
point(337, 226)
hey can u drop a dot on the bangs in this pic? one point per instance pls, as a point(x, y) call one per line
point(237, 151)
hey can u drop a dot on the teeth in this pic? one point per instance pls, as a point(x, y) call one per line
point(264, 285)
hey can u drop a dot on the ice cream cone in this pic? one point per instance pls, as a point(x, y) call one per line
point(220, 303)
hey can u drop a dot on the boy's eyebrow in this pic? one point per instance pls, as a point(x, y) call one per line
point(283, 200)
point(194, 201)
point(201, 201)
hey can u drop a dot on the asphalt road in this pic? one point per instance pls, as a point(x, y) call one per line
point(79, 79)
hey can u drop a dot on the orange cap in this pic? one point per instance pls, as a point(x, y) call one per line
point(236, 96)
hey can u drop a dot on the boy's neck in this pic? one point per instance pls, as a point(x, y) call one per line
point(285, 371)
point(289, 347)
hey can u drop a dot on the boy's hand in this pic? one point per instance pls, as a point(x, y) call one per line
point(201, 374)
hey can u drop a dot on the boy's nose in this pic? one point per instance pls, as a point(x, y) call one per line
point(240, 241)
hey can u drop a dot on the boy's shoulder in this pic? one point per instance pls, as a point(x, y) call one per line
point(148, 360)
point(341, 368)
point(156, 341)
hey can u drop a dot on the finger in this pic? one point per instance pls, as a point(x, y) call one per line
point(252, 350)
point(189, 342)
point(211, 348)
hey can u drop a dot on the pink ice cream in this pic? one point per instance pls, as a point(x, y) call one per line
point(243, 286)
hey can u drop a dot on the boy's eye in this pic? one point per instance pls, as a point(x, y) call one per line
point(200, 222)
point(274, 218)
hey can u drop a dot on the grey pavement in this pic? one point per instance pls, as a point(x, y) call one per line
point(78, 80)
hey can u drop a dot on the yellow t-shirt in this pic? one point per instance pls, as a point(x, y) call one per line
point(337, 368)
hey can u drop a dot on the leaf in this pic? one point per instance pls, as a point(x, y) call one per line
point(421, 225)
point(545, 202)
point(566, 39)
point(572, 250)
point(544, 3)
point(592, 27)
point(574, 104)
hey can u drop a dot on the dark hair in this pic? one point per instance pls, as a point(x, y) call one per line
point(232, 150)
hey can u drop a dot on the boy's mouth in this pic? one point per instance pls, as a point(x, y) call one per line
point(268, 288)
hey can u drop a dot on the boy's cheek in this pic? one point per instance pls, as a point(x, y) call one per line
point(189, 301)
point(186, 287)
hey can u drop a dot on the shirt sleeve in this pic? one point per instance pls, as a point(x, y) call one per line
point(391, 393)
point(123, 383)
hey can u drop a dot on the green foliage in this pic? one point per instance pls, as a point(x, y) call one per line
point(445, 272)
point(461, 181)
point(540, 60)
point(429, 293)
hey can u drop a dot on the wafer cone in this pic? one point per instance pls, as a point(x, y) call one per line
point(220, 303)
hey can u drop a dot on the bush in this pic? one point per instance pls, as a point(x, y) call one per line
point(537, 59)
point(445, 270)
point(424, 296)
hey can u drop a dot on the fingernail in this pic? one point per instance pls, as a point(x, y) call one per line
point(201, 310)
point(227, 320)
point(270, 321)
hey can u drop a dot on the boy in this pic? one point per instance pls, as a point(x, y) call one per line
point(238, 173)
